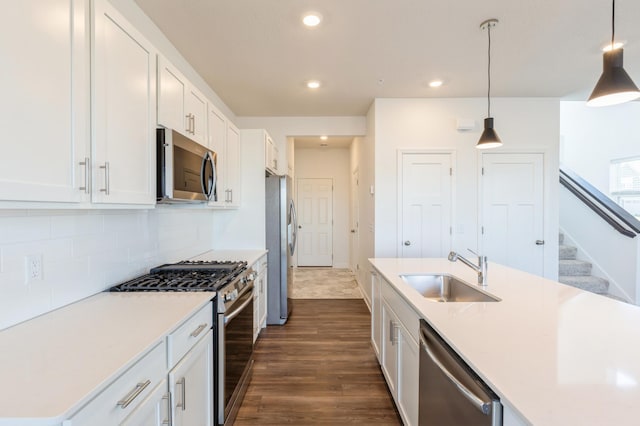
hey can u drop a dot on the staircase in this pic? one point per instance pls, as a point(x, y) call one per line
point(577, 273)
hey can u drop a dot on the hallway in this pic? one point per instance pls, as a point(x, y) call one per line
point(324, 283)
point(319, 368)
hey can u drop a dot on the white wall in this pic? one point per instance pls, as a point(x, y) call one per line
point(523, 124)
point(331, 163)
point(282, 127)
point(592, 137)
point(85, 252)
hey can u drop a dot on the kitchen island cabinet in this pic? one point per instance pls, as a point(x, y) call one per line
point(554, 354)
point(100, 361)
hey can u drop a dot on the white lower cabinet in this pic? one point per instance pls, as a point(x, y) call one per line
point(172, 384)
point(191, 387)
point(392, 328)
point(260, 297)
point(153, 411)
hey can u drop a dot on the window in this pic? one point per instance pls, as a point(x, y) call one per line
point(624, 184)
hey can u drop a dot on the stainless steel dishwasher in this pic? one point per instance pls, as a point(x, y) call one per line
point(451, 394)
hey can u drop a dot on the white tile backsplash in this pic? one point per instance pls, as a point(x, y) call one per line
point(87, 251)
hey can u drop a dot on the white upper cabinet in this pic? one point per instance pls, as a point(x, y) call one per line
point(44, 107)
point(232, 170)
point(224, 140)
point(271, 155)
point(181, 107)
point(124, 105)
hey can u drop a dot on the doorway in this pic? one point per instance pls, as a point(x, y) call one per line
point(512, 206)
point(315, 221)
point(426, 206)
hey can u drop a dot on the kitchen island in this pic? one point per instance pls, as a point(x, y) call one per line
point(555, 355)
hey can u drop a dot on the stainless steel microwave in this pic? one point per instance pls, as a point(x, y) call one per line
point(186, 170)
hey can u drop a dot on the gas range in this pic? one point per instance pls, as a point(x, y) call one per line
point(186, 276)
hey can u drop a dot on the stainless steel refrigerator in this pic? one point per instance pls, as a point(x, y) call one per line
point(281, 232)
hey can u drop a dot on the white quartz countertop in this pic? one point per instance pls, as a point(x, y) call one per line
point(249, 256)
point(558, 355)
point(54, 363)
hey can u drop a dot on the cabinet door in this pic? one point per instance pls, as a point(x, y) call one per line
point(376, 314)
point(191, 386)
point(389, 347)
point(153, 411)
point(262, 308)
point(124, 101)
point(196, 112)
point(44, 107)
point(171, 96)
point(232, 170)
point(408, 365)
point(217, 142)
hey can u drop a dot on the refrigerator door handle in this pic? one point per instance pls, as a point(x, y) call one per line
point(294, 227)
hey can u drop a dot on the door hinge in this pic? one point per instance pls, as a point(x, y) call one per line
point(483, 171)
point(450, 171)
point(451, 230)
point(482, 230)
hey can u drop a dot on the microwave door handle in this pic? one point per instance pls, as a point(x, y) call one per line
point(206, 186)
point(214, 175)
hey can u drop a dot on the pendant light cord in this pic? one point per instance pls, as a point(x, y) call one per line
point(489, 72)
point(613, 22)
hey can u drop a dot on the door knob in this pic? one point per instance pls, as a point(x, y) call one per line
point(353, 231)
point(407, 243)
point(299, 226)
point(539, 242)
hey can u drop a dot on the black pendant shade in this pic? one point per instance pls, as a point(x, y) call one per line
point(489, 137)
point(614, 86)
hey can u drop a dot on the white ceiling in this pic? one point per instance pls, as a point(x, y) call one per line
point(310, 142)
point(257, 55)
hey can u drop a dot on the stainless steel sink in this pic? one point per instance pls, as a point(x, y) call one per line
point(447, 288)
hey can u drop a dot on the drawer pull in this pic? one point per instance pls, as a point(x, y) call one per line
point(182, 382)
point(124, 403)
point(167, 397)
point(198, 330)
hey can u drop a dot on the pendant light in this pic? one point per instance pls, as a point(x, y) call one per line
point(614, 86)
point(489, 137)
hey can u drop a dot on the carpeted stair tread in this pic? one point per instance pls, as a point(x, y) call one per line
point(568, 252)
point(586, 282)
point(574, 267)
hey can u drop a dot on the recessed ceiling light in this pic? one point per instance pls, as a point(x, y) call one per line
point(312, 19)
point(324, 138)
point(616, 45)
point(313, 84)
point(435, 83)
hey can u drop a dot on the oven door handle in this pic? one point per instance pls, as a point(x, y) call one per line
point(235, 313)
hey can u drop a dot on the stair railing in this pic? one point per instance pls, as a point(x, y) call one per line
point(621, 220)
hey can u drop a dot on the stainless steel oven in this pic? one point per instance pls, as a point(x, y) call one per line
point(235, 341)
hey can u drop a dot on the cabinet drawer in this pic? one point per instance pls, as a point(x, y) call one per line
point(188, 334)
point(407, 316)
point(124, 394)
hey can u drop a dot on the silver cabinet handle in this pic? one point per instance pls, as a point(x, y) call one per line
point(182, 382)
point(478, 403)
point(407, 243)
point(106, 188)
point(539, 242)
point(128, 399)
point(231, 195)
point(193, 126)
point(87, 172)
point(188, 117)
point(167, 397)
point(198, 330)
point(392, 332)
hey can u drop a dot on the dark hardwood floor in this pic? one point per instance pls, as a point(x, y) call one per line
point(319, 368)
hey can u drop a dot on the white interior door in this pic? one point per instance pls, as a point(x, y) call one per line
point(512, 208)
point(315, 222)
point(426, 205)
point(355, 217)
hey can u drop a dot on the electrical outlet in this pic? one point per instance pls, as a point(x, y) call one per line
point(33, 268)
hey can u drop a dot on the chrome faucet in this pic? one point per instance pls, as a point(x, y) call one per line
point(480, 268)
